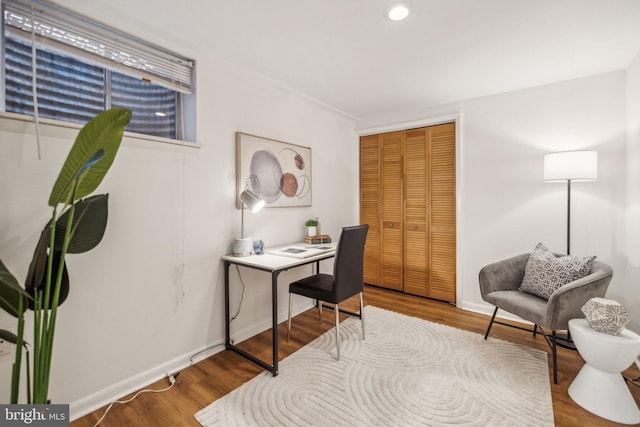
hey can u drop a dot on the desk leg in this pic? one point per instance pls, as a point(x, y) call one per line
point(274, 313)
point(274, 318)
point(227, 330)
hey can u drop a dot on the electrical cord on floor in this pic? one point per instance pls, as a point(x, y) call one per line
point(241, 296)
point(172, 377)
point(632, 381)
point(172, 380)
point(191, 359)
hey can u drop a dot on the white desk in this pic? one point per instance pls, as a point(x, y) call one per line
point(274, 264)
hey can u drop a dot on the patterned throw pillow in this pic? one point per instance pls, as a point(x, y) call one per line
point(545, 272)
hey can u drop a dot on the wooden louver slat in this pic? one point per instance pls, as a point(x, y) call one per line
point(391, 210)
point(416, 256)
point(369, 205)
point(442, 278)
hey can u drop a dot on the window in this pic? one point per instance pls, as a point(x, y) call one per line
point(83, 68)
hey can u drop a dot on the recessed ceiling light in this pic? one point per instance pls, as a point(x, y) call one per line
point(398, 13)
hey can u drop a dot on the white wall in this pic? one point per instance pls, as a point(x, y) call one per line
point(151, 294)
point(505, 208)
point(632, 244)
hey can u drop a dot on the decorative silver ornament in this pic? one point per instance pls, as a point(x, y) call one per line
point(605, 315)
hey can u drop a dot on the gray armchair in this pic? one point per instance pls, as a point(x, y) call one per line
point(499, 286)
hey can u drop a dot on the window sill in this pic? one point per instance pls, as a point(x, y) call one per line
point(20, 123)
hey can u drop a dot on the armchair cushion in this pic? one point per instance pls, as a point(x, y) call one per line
point(545, 273)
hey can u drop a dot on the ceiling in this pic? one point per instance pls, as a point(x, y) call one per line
point(347, 54)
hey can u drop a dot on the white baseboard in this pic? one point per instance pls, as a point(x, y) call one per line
point(103, 397)
point(488, 310)
point(88, 404)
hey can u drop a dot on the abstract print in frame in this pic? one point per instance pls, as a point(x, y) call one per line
point(278, 172)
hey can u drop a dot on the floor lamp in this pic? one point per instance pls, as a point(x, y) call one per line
point(244, 245)
point(570, 166)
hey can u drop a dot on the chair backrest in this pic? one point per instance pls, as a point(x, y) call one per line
point(348, 263)
point(566, 303)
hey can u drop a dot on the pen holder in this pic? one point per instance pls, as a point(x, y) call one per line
point(258, 247)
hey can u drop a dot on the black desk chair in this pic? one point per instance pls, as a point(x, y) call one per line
point(345, 282)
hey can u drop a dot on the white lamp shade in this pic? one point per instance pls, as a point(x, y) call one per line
point(252, 201)
point(571, 166)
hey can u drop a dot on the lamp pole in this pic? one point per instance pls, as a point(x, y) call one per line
point(242, 220)
point(568, 216)
point(570, 166)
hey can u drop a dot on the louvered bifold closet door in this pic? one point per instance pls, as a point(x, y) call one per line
point(391, 171)
point(407, 196)
point(370, 205)
point(442, 218)
point(416, 256)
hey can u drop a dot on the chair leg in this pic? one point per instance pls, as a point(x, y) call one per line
point(491, 323)
point(337, 332)
point(319, 311)
point(362, 313)
point(555, 357)
point(289, 319)
point(535, 328)
point(552, 343)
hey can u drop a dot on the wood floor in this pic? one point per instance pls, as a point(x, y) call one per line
point(204, 382)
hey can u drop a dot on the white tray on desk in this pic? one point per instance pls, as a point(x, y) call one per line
point(302, 251)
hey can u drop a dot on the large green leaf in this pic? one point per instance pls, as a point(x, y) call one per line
point(11, 337)
point(34, 284)
point(103, 132)
point(10, 291)
point(38, 266)
point(89, 224)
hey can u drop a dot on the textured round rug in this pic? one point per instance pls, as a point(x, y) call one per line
point(407, 372)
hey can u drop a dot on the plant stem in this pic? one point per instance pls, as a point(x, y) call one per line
point(49, 327)
point(41, 321)
point(37, 322)
point(56, 299)
point(15, 375)
point(29, 396)
point(47, 287)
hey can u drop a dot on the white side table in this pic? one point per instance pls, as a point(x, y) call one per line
point(599, 386)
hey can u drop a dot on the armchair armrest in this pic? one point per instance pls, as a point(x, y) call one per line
point(505, 275)
point(566, 302)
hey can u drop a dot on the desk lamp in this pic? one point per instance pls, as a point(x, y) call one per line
point(570, 166)
point(244, 245)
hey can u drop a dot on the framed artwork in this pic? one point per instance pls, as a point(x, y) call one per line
point(277, 172)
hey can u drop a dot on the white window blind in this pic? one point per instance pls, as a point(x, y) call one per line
point(68, 32)
point(70, 90)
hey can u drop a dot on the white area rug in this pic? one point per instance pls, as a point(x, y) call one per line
point(407, 372)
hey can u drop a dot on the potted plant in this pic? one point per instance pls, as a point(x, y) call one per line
point(77, 225)
point(312, 227)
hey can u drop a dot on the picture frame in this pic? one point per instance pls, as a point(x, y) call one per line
point(278, 172)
